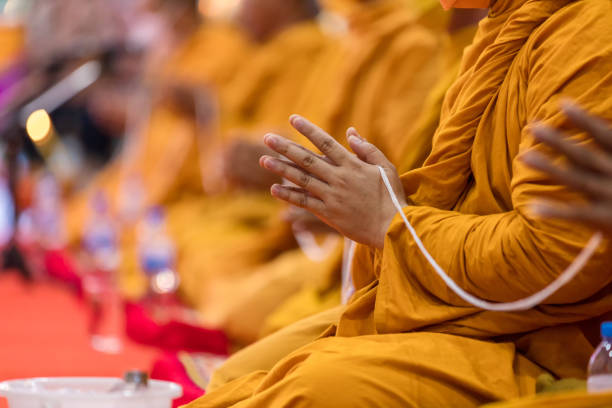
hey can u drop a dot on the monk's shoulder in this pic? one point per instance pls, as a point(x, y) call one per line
point(582, 27)
point(414, 39)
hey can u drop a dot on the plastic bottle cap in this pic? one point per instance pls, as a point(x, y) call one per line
point(136, 377)
point(156, 215)
point(606, 329)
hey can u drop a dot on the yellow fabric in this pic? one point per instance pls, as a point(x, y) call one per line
point(264, 354)
point(307, 302)
point(405, 339)
point(371, 89)
point(565, 400)
point(546, 383)
point(265, 93)
point(12, 40)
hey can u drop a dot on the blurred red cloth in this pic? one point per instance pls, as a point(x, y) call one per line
point(174, 335)
point(169, 368)
point(44, 333)
point(59, 265)
point(171, 336)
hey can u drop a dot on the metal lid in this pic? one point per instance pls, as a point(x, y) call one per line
point(136, 377)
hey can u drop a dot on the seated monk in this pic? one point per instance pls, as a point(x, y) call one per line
point(405, 339)
point(417, 145)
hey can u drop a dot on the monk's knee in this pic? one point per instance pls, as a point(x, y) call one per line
point(355, 380)
point(324, 380)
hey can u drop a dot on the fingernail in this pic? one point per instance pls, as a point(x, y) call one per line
point(538, 209)
point(528, 157)
point(355, 139)
point(270, 139)
point(276, 190)
point(296, 120)
point(353, 132)
point(568, 104)
point(270, 163)
point(539, 130)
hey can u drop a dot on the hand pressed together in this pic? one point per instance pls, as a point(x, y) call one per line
point(344, 190)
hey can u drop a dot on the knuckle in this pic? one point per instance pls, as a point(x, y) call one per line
point(327, 146)
point(304, 179)
point(303, 200)
point(308, 161)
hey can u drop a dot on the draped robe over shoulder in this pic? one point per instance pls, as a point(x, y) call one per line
point(405, 339)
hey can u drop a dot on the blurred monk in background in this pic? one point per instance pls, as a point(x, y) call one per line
point(223, 83)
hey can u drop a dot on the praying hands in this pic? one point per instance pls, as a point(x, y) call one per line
point(344, 190)
point(589, 171)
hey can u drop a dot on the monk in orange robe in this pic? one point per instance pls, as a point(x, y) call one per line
point(405, 339)
point(326, 293)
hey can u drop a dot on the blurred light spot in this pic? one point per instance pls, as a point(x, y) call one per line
point(38, 126)
point(165, 281)
point(221, 9)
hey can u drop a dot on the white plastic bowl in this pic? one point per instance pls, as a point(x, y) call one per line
point(86, 392)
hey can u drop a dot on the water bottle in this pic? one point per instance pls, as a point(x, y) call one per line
point(131, 200)
point(157, 259)
point(7, 213)
point(600, 365)
point(48, 215)
point(100, 242)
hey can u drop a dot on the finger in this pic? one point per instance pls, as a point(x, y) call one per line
point(597, 128)
point(577, 179)
point(597, 215)
point(324, 142)
point(366, 151)
point(298, 197)
point(295, 175)
point(578, 155)
point(302, 157)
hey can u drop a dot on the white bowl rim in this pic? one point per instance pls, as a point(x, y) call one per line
point(172, 391)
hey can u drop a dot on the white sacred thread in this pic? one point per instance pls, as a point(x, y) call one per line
point(523, 304)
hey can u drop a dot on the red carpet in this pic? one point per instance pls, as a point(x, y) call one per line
point(44, 333)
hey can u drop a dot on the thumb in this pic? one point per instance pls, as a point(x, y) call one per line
point(365, 150)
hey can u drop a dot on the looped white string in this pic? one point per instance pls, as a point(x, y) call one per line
point(348, 288)
point(523, 304)
point(307, 242)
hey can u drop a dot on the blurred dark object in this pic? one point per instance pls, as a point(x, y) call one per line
point(12, 256)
